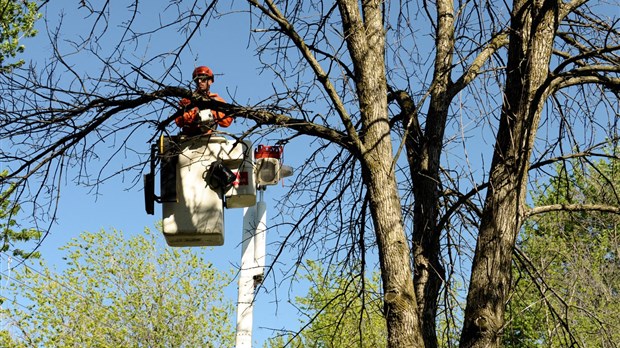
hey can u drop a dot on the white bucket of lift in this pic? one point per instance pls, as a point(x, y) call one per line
point(243, 192)
point(197, 217)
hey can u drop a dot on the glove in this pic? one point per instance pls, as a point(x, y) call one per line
point(190, 116)
point(184, 102)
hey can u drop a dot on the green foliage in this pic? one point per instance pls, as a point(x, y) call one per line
point(16, 21)
point(9, 234)
point(338, 311)
point(118, 292)
point(568, 278)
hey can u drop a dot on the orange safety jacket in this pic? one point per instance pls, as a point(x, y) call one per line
point(188, 122)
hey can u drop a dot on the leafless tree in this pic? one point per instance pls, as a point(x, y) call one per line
point(400, 97)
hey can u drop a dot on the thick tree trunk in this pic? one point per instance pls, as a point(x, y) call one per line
point(366, 42)
point(394, 256)
point(531, 39)
point(424, 161)
point(394, 253)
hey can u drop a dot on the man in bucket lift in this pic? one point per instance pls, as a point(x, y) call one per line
point(198, 122)
point(193, 122)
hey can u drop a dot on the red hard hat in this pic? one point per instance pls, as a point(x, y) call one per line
point(202, 70)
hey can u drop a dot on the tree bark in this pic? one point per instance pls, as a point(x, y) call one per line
point(400, 305)
point(532, 32)
point(363, 28)
point(424, 159)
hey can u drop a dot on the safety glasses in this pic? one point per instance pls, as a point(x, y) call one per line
point(201, 78)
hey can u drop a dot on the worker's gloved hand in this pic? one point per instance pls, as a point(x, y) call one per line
point(185, 102)
point(190, 116)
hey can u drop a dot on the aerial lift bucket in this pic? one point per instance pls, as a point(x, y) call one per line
point(196, 175)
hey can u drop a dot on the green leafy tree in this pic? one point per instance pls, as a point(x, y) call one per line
point(338, 311)
point(119, 292)
point(11, 236)
point(10, 232)
point(568, 279)
point(17, 20)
